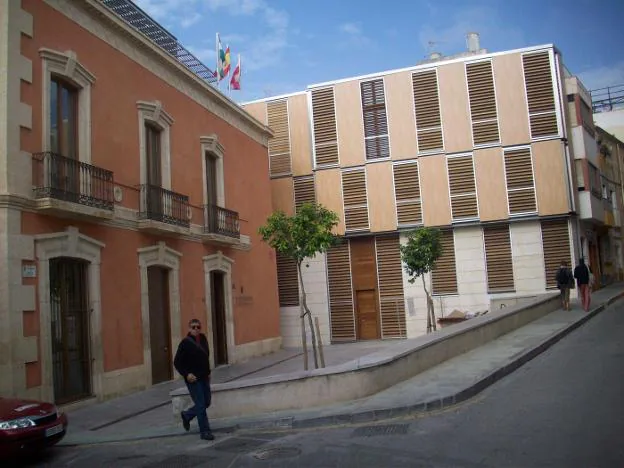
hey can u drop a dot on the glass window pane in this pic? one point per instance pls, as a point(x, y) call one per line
point(54, 141)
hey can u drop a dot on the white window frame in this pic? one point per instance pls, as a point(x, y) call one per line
point(66, 65)
point(210, 144)
point(153, 112)
point(381, 135)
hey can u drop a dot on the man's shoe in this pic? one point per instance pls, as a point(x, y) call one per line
point(186, 424)
point(206, 436)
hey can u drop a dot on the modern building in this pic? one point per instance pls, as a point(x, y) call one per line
point(481, 145)
point(131, 192)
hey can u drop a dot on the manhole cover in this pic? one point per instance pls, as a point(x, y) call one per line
point(239, 445)
point(178, 461)
point(381, 430)
point(277, 452)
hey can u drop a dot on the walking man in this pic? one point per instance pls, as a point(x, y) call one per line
point(192, 362)
point(565, 282)
point(581, 273)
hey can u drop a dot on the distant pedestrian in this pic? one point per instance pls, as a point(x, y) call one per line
point(192, 361)
point(582, 274)
point(565, 282)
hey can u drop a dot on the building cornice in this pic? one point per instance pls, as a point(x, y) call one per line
point(197, 89)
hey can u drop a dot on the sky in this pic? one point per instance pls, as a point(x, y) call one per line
point(286, 45)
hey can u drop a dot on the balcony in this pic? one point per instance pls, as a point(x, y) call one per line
point(163, 211)
point(71, 188)
point(221, 226)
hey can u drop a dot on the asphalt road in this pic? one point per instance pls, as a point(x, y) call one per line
point(564, 409)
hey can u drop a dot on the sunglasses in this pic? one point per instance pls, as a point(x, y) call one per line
point(195, 327)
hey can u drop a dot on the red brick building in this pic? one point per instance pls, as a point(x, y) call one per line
point(131, 191)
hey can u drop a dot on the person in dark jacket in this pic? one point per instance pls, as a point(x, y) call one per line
point(565, 282)
point(581, 273)
point(192, 361)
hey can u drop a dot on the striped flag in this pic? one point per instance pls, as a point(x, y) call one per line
point(236, 76)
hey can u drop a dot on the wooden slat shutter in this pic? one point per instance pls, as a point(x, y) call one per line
point(390, 277)
point(355, 203)
point(342, 318)
point(462, 187)
point(407, 194)
point(498, 259)
point(520, 185)
point(427, 109)
point(287, 281)
point(304, 190)
point(482, 103)
point(279, 145)
point(375, 119)
point(444, 275)
point(540, 94)
point(556, 245)
point(324, 117)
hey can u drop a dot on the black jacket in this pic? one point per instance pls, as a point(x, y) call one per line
point(192, 357)
point(564, 278)
point(581, 273)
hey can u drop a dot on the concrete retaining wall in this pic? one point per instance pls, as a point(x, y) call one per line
point(371, 373)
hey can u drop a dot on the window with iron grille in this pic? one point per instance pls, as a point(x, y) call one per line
point(324, 123)
point(304, 191)
point(540, 94)
point(407, 193)
point(520, 182)
point(427, 110)
point(556, 248)
point(462, 187)
point(482, 100)
point(287, 281)
point(444, 275)
point(498, 259)
point(279, 144)
point(354, 198)
point(375, 119)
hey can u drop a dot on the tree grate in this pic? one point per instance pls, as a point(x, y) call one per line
point(380, 430)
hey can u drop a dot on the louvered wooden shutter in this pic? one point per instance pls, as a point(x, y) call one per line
point(390, 277)
point(444, 275)
point(540, 94)
point(375, 119)
point(304, 190)
point(462, 187)
point(287, 281)
point(556, 245)
point(342, 318)
point(279, 145)
point(482, 103)
point(520, 186)
point(427, 109)
point(324, 117)
point(498, 259)
point(407, 194)
point(355, 203)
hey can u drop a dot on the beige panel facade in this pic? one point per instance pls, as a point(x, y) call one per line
point(400, 112)
point(434, 190)
point(282, 195)
point(491, 188)
point(350, 124)
point(381, 205)
point(454, 107)
point(329, 194)
point(510, 96)
point(258, 110)
point(300, 135)
point(550, 177)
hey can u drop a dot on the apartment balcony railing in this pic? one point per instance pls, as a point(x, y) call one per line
point(68, 180)
point(221, 221)
point(607, 99)
point(164, 206)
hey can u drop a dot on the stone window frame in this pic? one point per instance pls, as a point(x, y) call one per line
point(166, 257)
point(66, 65)
point(210, 144)
point(75, 245)
point(152, 112)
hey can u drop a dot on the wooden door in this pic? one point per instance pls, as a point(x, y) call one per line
point(365, 290)
point(160, 331)
point(154, 195)
point(71, 363)
point(219, 327)
point(211, 192)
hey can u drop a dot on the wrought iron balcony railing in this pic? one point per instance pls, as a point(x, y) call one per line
point(56, 176)
point(165, 206)
point(221, 221)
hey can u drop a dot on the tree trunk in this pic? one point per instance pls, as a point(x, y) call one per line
point(320, 342)
point(304, 341)
point(307, 312)
point(433, 316)
point(428, 304)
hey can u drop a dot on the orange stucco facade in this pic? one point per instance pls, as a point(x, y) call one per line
point(120, 82)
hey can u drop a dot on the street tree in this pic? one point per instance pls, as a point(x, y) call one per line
point(299, 237)
point(419, 255)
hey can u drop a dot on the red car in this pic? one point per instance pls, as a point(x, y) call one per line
point(27, 425)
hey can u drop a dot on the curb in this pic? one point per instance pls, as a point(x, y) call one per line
point(371, 415)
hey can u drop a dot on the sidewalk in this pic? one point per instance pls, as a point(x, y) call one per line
point(453, 381)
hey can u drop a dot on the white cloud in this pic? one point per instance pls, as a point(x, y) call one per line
point(601, 77)
point(190, 20)
point(351, 28)
point(354, 36)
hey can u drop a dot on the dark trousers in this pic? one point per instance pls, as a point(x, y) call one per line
point(201, 396)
